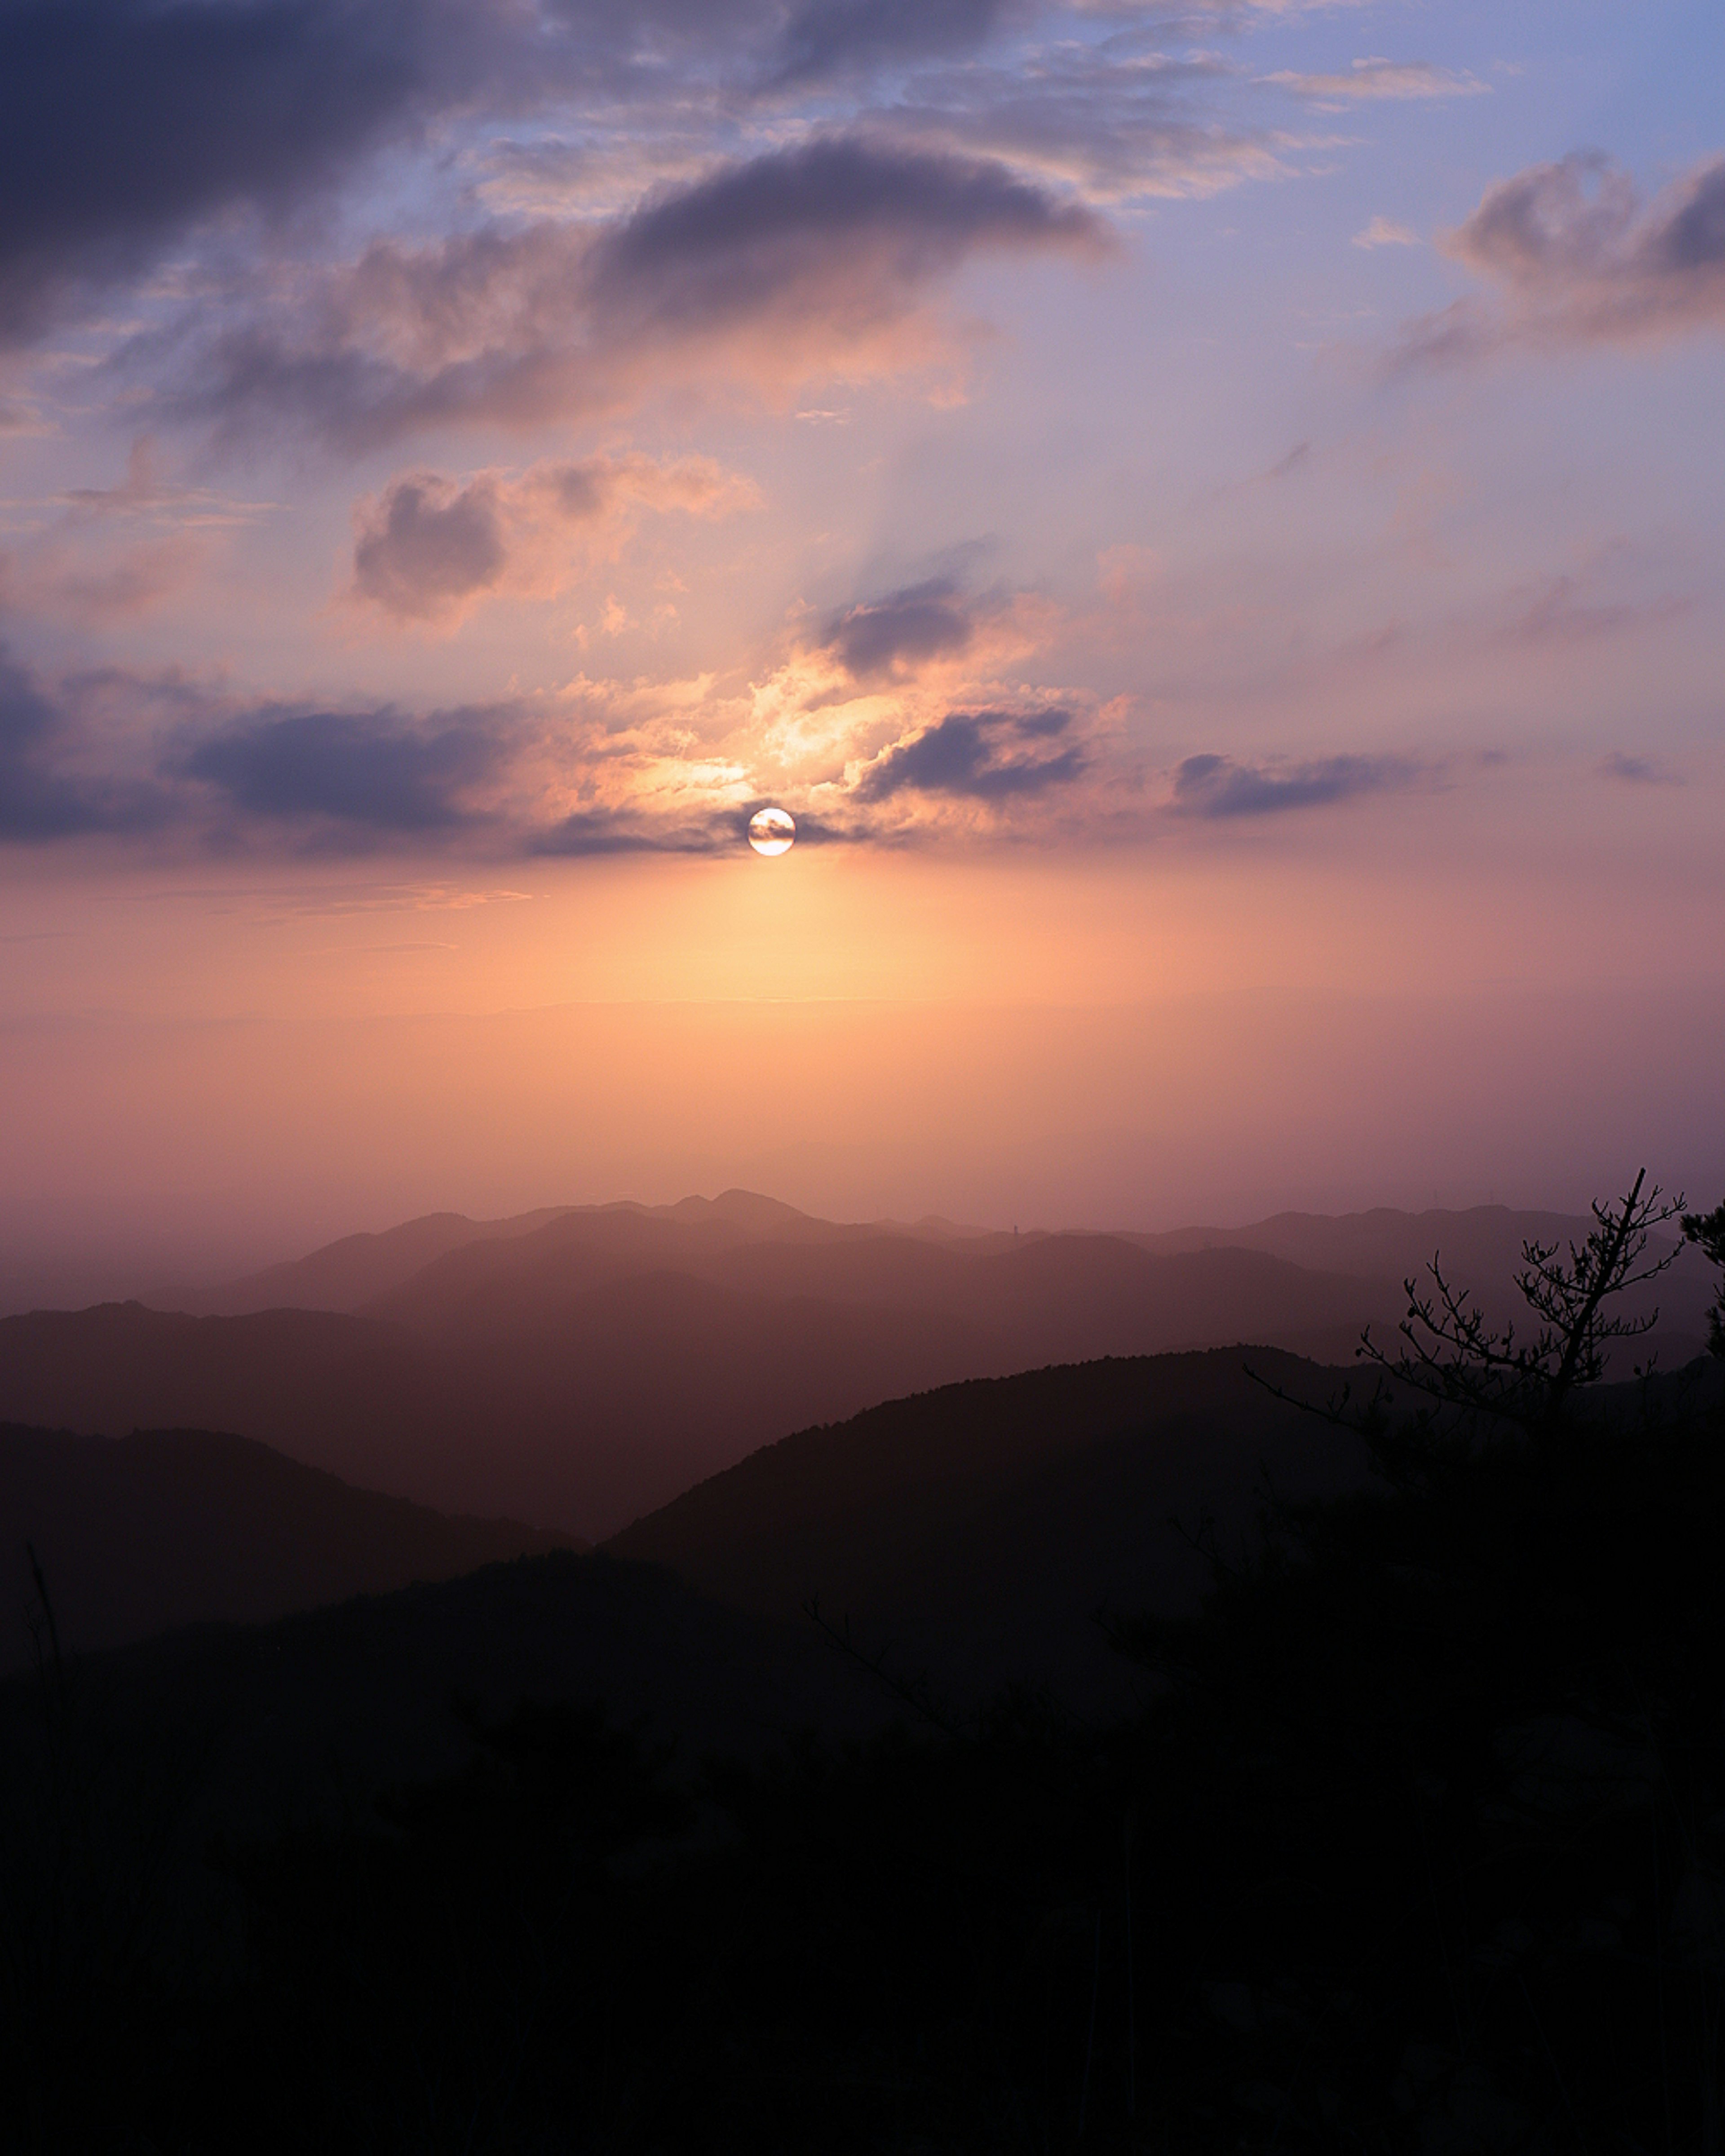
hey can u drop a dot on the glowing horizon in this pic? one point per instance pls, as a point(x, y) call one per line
point(1206, 515)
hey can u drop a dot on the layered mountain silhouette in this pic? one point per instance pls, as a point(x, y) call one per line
point(578, 1369)
point(964, 1539)
point(136, 1535)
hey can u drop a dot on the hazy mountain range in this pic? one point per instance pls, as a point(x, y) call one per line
point(577, 1369)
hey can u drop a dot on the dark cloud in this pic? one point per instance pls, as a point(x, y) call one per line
point(595, 834)
point(800, 220)
point(41, 797)
point(426, 546)
point(794, 257)
point(372, 774)
point(1216, 785)
point(122, 122)
point(429, 545)
point(827, 36)
point(892, 634)
point(1578, 256)
point(979, 755)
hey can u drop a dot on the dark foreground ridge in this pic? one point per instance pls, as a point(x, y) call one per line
point(1414, 1838)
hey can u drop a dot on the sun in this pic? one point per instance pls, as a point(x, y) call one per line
point(772, 831)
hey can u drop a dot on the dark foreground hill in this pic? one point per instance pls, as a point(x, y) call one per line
point(136, 1535)
point(1412, 1844)
point(973, 1534)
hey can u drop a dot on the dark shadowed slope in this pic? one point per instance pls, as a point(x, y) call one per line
point(135, 1535)
point(976, 1530)
point(250, 1727)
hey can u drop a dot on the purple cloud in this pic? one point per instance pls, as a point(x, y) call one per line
point(1578, 257)
point(978, 756)
point(1216, 786)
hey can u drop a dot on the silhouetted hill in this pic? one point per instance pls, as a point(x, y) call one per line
point(976, 1530)
point(312, 1715)
point(136, 1535)
point(581, 1374)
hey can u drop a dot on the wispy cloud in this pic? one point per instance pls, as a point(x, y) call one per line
point(1627, 770)
point(1377, 78)
point(1384, 232)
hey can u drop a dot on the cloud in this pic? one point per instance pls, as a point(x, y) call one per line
point(825, 37)
point(1578, 257)
point(124, 123)
point(776, 266)
point(427, 547)
point(95, 556)
point(1636, 771)
point(1215, 787)
point(1378, 78)
point(888, 636)
point(1383, 232)
point(43, 795)
point(863, 223)
point(121, 120)
point(976, 756)
point(373, 772)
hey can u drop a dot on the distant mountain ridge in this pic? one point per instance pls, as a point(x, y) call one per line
point(353, 1272)
point(578, 1367)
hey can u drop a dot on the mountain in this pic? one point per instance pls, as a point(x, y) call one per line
point(974, 1531)
point(583, 1374)
point(578, 1369)
point(354, 1272)
point(136, 1535)
point(347, 1274)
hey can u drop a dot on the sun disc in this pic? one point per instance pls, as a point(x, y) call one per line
point(772, 831)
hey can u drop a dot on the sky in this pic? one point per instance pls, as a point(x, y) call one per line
point(1209, 514)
